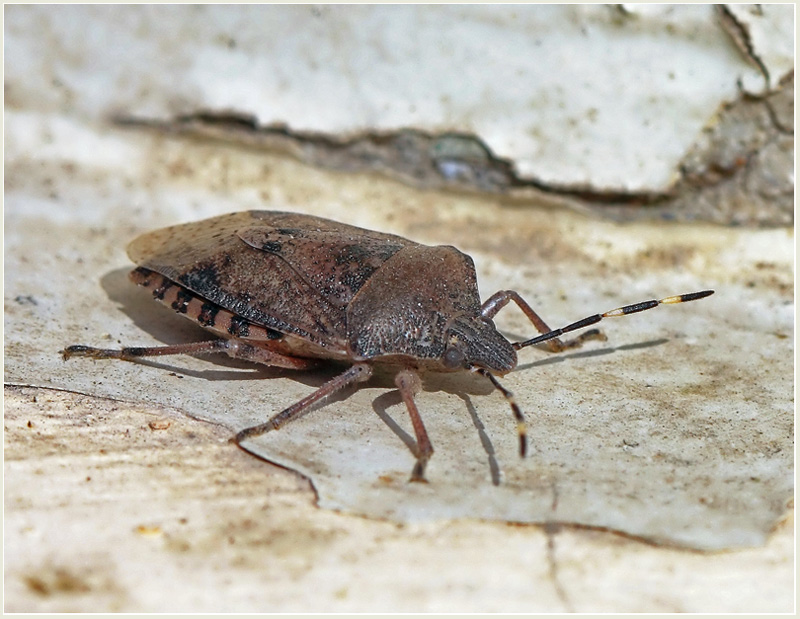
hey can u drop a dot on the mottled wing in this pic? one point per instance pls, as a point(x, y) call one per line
point(209, 258)
point(335, 259)
point(405, 308)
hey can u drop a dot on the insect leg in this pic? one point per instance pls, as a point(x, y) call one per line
point(409, 385)
point(522, 428)
point(502, 298)
point(620, 311)
point(130, 352)
point(233, 348)
point(354, 374)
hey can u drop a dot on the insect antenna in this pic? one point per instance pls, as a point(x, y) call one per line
point(620, 311)
point(521, 426)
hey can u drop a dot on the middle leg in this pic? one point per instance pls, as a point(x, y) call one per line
point(354, 374)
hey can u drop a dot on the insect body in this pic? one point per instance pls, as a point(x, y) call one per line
point(289, 290)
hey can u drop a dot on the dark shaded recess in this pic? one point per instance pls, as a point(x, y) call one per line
point(738, 172)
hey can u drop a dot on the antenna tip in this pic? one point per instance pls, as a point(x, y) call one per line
point(692, 296)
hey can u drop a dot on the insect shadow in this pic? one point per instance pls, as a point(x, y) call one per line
point(585, 354)
point(171, 328)
point(486, 442)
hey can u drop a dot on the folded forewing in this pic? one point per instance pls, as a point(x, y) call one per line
point(211, 259)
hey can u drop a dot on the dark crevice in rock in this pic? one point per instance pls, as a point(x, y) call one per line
point(739, 171)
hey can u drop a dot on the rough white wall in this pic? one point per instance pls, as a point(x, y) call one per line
point(575, 94)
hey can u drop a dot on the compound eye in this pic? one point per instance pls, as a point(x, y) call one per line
point(453, 358)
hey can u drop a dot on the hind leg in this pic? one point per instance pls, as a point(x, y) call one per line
point(233, 348)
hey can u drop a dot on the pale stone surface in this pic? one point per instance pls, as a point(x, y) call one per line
point(677, 430)
point(104, 513)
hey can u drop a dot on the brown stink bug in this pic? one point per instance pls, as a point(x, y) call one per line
point(288, 290)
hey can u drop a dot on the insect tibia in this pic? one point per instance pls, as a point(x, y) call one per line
point(578, 340)
point(522, 430)
point(134, 352)
point(354, 374)
point(620, 311)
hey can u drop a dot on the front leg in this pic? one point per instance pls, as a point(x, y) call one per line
point(501, 298)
